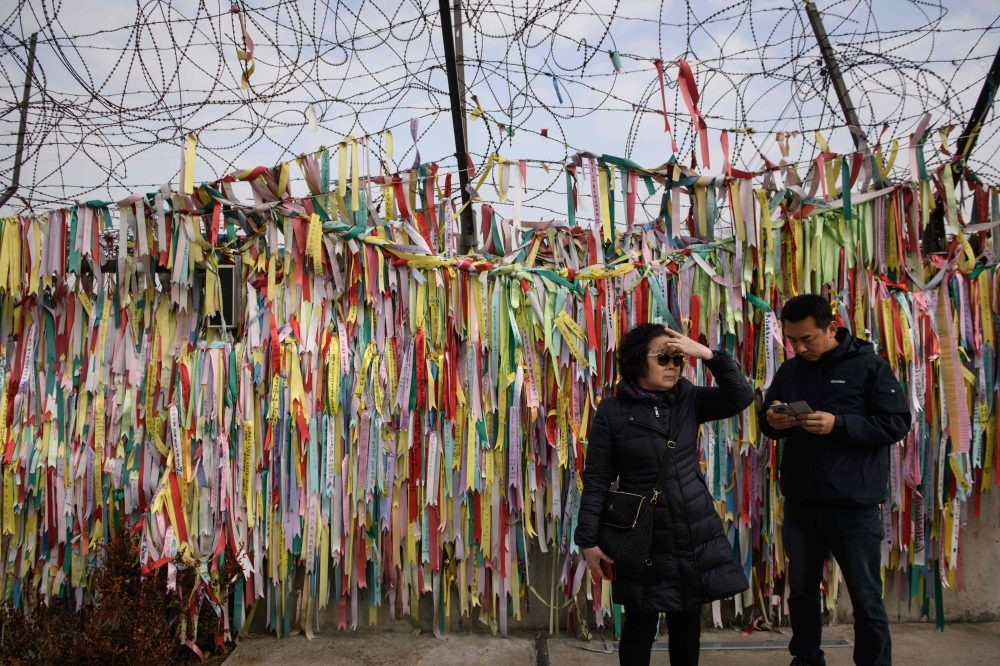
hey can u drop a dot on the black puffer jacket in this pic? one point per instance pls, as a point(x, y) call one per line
point(850, 466)
point(692, 561)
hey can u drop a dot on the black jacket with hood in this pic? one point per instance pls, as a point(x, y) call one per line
point(691, 560)
point(848, 467)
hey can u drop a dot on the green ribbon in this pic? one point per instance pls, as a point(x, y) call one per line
point(570, 208)
point(629, 164)
point(845, 175)
point(758, 303)
point(549, 275)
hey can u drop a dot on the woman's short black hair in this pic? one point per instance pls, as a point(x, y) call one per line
point(633, 349)
point(807, 305)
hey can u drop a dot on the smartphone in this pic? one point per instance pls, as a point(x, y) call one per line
point(608, 569)
point(792, 409)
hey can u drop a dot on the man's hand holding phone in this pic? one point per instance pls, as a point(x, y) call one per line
point(781, 416)
point(780, 419)
point(818, 423)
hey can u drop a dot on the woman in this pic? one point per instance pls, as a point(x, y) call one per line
point(691, 562)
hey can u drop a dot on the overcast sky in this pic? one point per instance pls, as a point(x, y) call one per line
point(366, 66)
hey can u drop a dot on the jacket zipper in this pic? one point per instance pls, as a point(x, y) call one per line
point(687, 517)
point(654, 429)
point(687, 521)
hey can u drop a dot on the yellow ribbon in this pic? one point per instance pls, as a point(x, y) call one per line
point(355, 185)
point(387, 192)
point(284, 174)
point(892, 160)
point(476, 112)
point(824, 146)
point(493, 158)
point(602, 180)
point(187, 184)
point(245, 78)
point(342, 152)
point(734, 197)
point(314, 243)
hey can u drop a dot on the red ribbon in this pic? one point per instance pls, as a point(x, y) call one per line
point(689, 90)
point(486, 220)
point(175, 498)
point(432, 529)
point(588, 309)
point(640, 306)
point(429, 205)
point(695, 317)
point(397, 185)
point(362, 569)
point(150, 568)
point(856, 162)
point(730, 171)
point(663, 99)
point(724, 140)
point(415, 465)
point(421, 221)
point(477, 519)
point(633, 183)
point(421, 370)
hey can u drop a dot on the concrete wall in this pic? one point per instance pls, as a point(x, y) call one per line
point(979, 602)
point(535, 615)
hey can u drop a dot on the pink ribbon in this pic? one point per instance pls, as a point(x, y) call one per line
point(663, 100)
point(246, 35)
point(689, 90)
point(915, 139)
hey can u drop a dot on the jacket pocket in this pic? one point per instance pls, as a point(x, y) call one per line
point(889, 396)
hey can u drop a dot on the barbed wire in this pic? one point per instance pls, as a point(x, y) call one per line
point(116, 90)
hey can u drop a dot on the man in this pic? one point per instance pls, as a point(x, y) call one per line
point(834, 472)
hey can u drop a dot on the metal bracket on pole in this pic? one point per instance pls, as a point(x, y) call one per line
point(460, 67)
point(933, 237)
point(850, 114)
point(467, 237)
point(19, 154)
point(967, 141)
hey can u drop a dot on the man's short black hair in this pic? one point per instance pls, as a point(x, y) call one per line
point(807, 305)
point(633, 349)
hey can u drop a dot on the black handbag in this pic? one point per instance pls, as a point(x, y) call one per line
point(626, 530)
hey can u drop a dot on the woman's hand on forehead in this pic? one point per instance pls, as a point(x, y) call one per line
point(678, 343)
point(670, 344)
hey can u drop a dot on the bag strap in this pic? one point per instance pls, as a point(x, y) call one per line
point(661, 480)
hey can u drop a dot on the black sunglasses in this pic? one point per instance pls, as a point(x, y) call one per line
point(664, 359)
